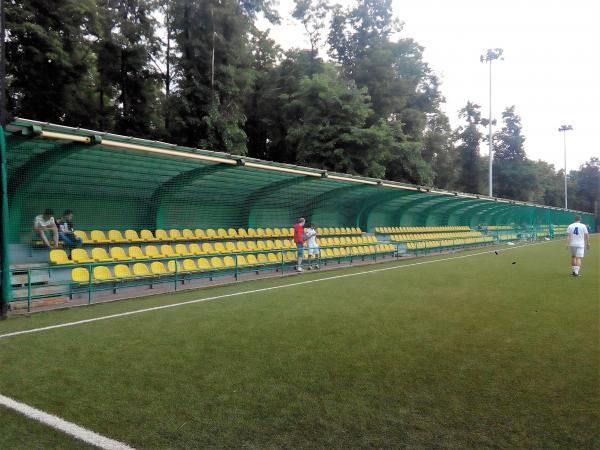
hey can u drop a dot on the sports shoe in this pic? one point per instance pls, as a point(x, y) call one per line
point(310, 267)
point(299, 269)
point(317, 267)
point(575, 274)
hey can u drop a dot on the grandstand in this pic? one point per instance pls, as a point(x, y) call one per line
point(151, 213)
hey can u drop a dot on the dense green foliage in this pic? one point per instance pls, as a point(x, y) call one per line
point(200, 73)
point(412, 357)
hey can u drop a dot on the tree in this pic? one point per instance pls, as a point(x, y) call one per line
point(327, 117)
point(584, 193)
point(514, 175)
point(438, 151)
point(313, 16)
point(129, 74)
point(51, 65)
point(469, 137)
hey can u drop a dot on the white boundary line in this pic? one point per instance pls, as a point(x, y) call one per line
point(253, 291)
point(83, 434)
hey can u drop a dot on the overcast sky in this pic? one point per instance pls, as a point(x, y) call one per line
point(550, 70)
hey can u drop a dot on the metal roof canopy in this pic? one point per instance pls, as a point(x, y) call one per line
point(119, 182)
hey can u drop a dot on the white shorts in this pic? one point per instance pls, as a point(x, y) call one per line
point(577, 251)
point(313, 251)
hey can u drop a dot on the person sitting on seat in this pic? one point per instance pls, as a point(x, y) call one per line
point(66, 231)
point(45, 223)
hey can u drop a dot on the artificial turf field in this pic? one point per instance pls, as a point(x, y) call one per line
point(474, 352)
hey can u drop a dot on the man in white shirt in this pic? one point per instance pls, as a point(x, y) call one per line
point(577, 239)
point(313, 247)
point(43, 223)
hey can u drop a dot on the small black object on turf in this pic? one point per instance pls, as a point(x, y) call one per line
point(514, 262)
point(495, 252)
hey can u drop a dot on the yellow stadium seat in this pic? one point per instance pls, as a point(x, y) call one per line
point(171, 265)
point(167, 251)
point(220, 248)
point(232, 233)
point(132, 236)
point(147, 236)
point(216, 263)
point(118, 254)
point(141, 270)
point(240, 247)
point(83, 236)
point(100, 255)
point(59, 257)
point(182, 250)
point(195, 249)
point(175, 235)
point(189, 265)
point(80, 256)
point(277, 244)
point(260, 245)
point(290, 256)
point(203, 264)
point(268, 232)
point(273, 258)
point(230, 247)
point(152, 252)
point(260, 232)
point(207, 248)
point(158, 268)
point(115, 236)
point(211, 234)
point(222, 233)
point(270, 245)
point(161, 235)
point(251, 232)
point(98, 237)
point(122, 271)
point(242, 233)
point(241, 260)
point(199, 233)
point(102, 273)
point(80, 275)
point(261, 259)
point(251, 246)
point(187, 234)
point(277, 232)
point(136, 252)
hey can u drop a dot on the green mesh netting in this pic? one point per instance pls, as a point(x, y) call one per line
point(120, 189)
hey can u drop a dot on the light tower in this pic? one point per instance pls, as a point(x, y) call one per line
point(564, 129)
point(491, 55)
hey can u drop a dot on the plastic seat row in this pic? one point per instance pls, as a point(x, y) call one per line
point(433, 236)
point(509, 237)
point(156, 269)
point(116, 236)
point(431, 229)
point(100, 254)
point(448, 243)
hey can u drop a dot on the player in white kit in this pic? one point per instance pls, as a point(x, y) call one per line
point(313, 247)
point(578, 239)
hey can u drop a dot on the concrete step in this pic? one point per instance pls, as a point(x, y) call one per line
point(37, 277)
point(42, 289)
point(17, 306)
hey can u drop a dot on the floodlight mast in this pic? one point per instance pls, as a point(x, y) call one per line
point(564, 129)
point(491, 55)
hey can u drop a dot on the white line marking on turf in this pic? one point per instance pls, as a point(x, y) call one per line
point(253, 291)
point(83, 434)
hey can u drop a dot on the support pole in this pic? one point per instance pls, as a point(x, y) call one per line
point(6, 291)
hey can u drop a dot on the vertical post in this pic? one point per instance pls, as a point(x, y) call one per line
point(6, 291)
point(282, 262)
point(491, 161)
point(565, 151)
point(90, 276)
point(176, 267)
point(29, 290)
point(236, 266)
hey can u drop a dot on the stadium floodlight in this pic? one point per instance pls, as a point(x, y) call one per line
point(564, 129)
point(491, 55)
